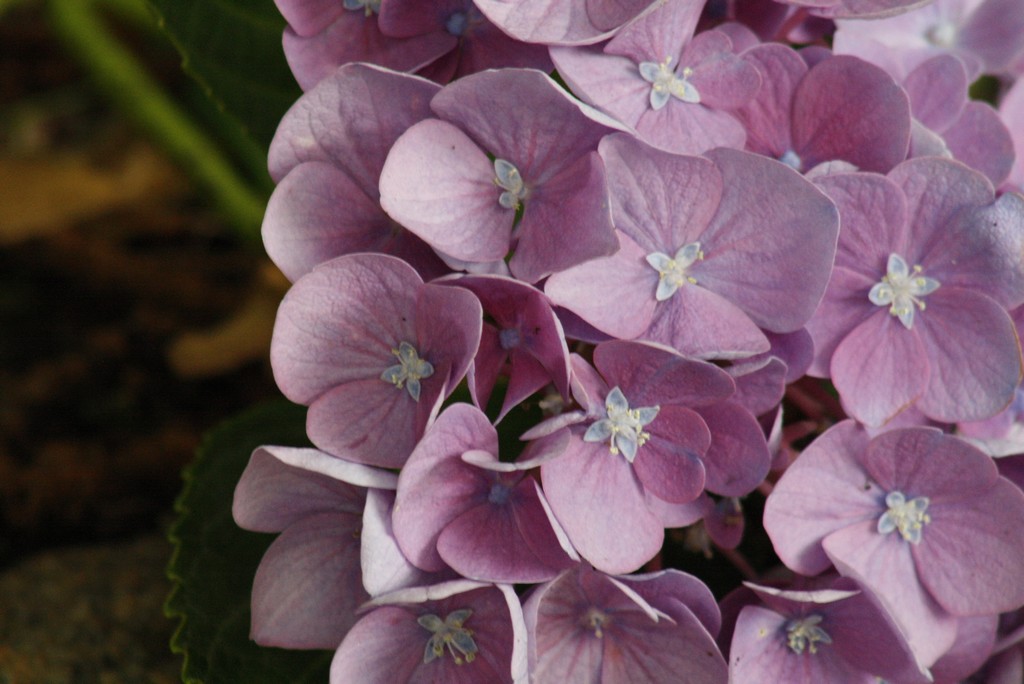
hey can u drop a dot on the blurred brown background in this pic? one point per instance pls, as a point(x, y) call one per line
point(132, 319)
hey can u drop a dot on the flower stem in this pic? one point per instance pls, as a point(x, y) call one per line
point(130, 88)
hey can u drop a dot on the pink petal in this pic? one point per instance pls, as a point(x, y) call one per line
point(880, 368)
point(437, 183)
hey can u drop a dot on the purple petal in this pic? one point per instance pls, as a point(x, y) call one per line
point(614, 294)
point(973, 552)
point(523, 116)
point(309, 584)
point(938, 91)
point(329, 123)
point(767, 115)
point(885, 564)
point(651, 374)
point(823, 491)
point(738, 458)
point(565, 222)
point(768, 211)
point(880, 368)
point(511, 542)
point(846, 108)
point(980, 139)
point(437, 183)
point(436, 485)
point(973, 355)
point(282, 485)
point(544, 21)
point(384, 567)
point(659, 33)
point(600, 503)
point(669, 465)
point(662, 201)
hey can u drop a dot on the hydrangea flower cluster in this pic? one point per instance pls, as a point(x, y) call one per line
point(581, 287)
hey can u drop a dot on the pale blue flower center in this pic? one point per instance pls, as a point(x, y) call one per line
point(450, 635)
point(665, 84)
point(942, 34)
point(409, 370)
point(902, 290)
point(791, 159)
point(456, 24)
point(507, 177)
point(622, 427)
point(499, 494)
point(908, 517)
point(672, 270)
point(804, 634)
point(510, 338)
point(368, 6)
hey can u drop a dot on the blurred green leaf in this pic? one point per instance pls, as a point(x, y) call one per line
point(233, 48)
point(215, 561)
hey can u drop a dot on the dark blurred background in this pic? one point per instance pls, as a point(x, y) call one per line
point(133, 318)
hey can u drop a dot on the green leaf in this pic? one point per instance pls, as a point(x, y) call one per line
point(233, 48)
point(214, 561)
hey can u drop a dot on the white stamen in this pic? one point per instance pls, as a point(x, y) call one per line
point(409, 370)
point(672, 270)
point(622, 428)
point(804, 633)
point(665, 84)
point(449, 633)
point(902, 289)
point(507, 178)
point(909, 517)
point(368, 6)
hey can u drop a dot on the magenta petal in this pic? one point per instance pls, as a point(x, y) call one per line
point(544, 21)
point(510, 542)
point(660, 200)
point(823, 491)
point(880, 368)
point(846, 108)
point(385, 568)
point(973, 353)
point(698, 322)
point(767, 115)
point(347, 420)
point(738, 459)
point(313, 351)
point(980, 139)
point(386, 646)
point(885, 563)
point(329, 123)
point(309, 584)
point(282, 485)
point(661, 32)
point(844, 307)
point(655, 375)
point(566, 222)
point(437, 183)
point(624, 278)
point(769, 214)
point(973, 551)
point(669, 465)
point(600, 503)
point(938, 91)
point(436, 485)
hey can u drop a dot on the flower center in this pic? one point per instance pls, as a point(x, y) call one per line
point(499, 493)
point(942, 35)
point(672, 270)
point(510, 338)
point(901, 290)
point(791, 159)
point(909, 517)
point(449, 634)
point(409, 370)
point(368, 6)
point(805, 634)
point(623, 426)
point(508, 179)
point(665, 84)
point(596, 620)
point(456, 24)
